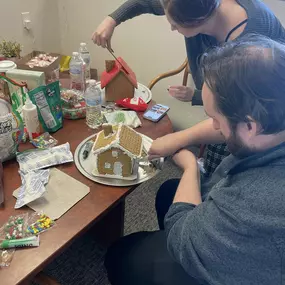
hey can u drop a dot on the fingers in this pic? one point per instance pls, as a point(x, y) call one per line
point(178, 88)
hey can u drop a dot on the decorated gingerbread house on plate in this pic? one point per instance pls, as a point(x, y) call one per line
point(118, 80)
point(117, 150)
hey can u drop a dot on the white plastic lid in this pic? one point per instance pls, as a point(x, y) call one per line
point(6, 65)
point(83, 44)
point(75, 53)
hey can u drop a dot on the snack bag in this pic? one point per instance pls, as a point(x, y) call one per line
point(18, 93)
point(11, 130)
point(48, 101)
point(38, 223)
point(136, 104)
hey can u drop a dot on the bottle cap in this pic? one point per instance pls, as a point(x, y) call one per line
point(28, 103)
point(75, 53)
point(83, 44)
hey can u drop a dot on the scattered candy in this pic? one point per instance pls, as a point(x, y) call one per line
point(42, 224)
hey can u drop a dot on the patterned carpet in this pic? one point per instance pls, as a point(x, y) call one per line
point(82, 263)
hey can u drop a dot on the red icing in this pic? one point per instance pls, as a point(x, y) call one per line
point(107, 77)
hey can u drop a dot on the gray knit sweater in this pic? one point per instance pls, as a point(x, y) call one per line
point(237, 235)
point(260, 20)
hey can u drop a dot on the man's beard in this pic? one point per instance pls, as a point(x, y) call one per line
point(237, 147)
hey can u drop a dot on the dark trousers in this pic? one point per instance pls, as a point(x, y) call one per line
point(142, 258)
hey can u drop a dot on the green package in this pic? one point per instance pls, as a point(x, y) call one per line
point(48, 101)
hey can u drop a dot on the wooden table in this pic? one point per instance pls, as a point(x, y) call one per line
point(102, 208)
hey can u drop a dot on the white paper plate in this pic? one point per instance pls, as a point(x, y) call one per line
point(142, 91)
point(86, 167)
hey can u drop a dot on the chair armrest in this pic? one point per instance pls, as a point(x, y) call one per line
point(171, 73)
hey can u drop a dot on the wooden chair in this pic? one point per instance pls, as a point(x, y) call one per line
point(184, 67)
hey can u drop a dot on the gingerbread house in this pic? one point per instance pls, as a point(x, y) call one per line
point(117, 150)
point(118, 80)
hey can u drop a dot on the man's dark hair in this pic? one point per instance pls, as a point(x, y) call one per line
point(247, 78)
point(190, 13)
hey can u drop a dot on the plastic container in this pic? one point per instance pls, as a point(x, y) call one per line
point(6, 65)
point(85, 55)
point(93, 101)
point(31, 119)
point(77, 72)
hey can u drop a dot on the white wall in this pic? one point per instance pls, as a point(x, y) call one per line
point(45, 22)
point(146, 43)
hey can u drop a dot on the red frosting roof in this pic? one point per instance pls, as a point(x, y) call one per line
point(107, 77)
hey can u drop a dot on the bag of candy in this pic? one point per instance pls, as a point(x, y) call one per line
point(38, 223)
point(48, 101)
point(136, 104)
point(15, 228)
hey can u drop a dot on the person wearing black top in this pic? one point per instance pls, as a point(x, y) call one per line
point(205, 24)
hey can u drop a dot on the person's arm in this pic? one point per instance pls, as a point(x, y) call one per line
point(133, 8)
point(202, 133)
point(186, 160)
point(198, 237)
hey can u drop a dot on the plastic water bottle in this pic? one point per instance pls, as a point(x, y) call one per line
point(85, 55)
point(77, 72)
point(93, 101)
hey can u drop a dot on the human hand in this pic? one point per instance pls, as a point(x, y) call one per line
point(163, 147)
point(185, 159)
point(103, 34)
point(182, 93)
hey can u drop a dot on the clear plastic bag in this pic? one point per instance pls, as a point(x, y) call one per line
point(6, 256)
point(38, 223)
point(15, 227)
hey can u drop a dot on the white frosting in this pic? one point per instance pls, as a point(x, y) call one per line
point(117, 169)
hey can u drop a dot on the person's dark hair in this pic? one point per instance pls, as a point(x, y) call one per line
point(190, 13)
point(247, 78)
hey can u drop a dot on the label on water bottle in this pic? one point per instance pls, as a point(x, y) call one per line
point(75, 70)
point(93, 102)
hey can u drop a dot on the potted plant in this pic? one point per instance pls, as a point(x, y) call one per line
point(10, 50)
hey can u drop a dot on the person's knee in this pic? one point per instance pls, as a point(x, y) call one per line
point(123, 260)
point(166, 192)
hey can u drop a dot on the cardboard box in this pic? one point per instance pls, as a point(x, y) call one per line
point(51, 71)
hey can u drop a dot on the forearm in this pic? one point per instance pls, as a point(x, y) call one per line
point(133, 8)
point(188, 190)
point(201, 133)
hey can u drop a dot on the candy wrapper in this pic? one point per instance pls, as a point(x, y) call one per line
point(129, 118)
point(33, 186)
point(136, 104)
point(39, 223)
point(15, 228)
point(44, 141)
point(6, 256)
point(39, 159)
